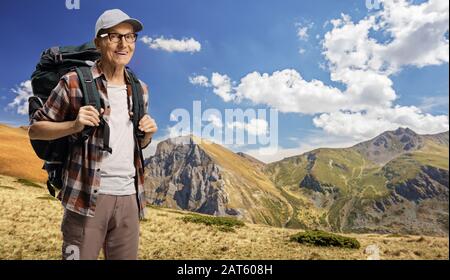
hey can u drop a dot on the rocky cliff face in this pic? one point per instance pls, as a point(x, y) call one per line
point(415, 206)
point(182, 175)
point(430, 183)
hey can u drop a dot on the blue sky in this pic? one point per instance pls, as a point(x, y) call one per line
point(326, 103)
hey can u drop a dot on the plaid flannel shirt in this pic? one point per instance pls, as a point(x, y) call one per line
point(81, 174)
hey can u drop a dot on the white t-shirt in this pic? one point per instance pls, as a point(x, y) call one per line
point(117, 169)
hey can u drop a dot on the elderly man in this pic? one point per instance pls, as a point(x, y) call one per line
point(103, 192)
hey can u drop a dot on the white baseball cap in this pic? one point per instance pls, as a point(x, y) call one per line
point(113, 17)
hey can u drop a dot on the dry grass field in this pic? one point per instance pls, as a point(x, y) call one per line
point(17, 157)
point(30, 221)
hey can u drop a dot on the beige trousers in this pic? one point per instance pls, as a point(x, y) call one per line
point(115, 228)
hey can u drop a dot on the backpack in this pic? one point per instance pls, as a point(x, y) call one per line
point(54, 63)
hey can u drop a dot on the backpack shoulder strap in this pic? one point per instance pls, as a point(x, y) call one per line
point(88, 87)
point(92, 97)
point(138, 101)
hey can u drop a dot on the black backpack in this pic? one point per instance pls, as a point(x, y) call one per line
point(55, 63)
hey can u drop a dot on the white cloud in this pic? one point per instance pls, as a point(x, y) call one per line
point(287, 91)
point(364, 125)
point(302, 31)
point(172, 45)
point(199, 80)
point(301, 51)
point(23, 92)
point(257, 127)
point(418, 33)
point(416, 37)
point(253, 127)
point(222, 86)
point(366, 89)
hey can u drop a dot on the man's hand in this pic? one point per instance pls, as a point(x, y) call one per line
point(87, 115)
point(148, 126)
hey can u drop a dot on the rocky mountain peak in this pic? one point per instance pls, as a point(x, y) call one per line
point(169, 144)
point(402, 131)
point(390, 144)
point(184, 176)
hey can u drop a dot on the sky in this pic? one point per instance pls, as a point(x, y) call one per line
point(321, 73)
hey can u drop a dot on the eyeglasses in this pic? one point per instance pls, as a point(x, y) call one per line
point(116, 37)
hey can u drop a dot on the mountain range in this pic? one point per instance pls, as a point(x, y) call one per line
point(396, 182)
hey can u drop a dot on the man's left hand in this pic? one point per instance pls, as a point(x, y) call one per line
point(148, 126)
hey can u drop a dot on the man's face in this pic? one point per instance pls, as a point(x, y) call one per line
point(117, 53)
